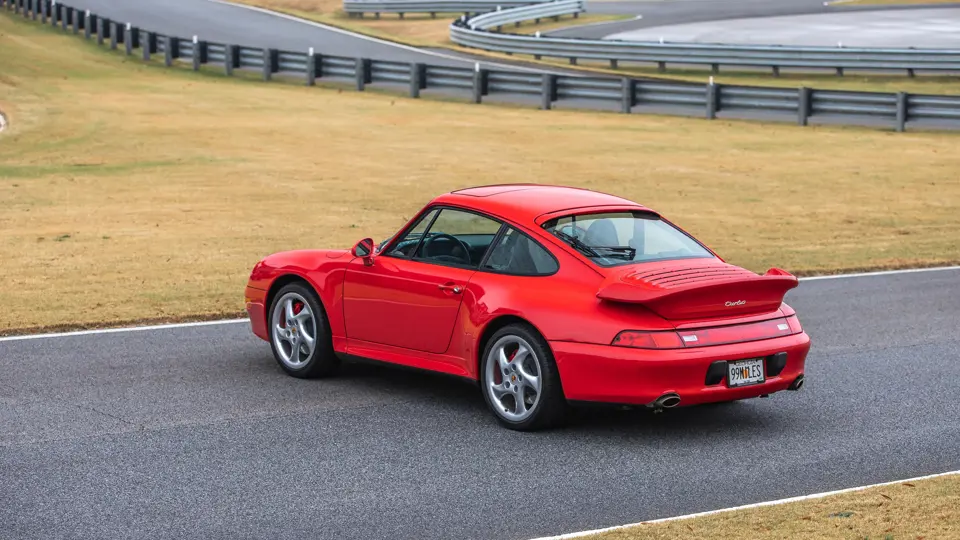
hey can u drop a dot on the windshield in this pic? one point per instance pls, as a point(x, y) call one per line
point(615, 238)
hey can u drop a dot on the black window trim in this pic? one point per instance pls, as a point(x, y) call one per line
point(440, 208)
point(504, 225)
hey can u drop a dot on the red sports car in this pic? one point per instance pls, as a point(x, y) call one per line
point(544, 295)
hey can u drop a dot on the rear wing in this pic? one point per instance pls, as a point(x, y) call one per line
point(702, 295)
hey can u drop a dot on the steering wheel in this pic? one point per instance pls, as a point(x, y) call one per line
point(427, 242)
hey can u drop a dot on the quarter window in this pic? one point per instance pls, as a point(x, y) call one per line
point(517, 253)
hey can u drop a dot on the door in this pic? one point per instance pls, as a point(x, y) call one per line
point(410, 296)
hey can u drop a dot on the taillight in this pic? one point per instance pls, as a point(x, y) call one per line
point(648, 340)
point(794, 323)
point(703, 337)
point(738, 333)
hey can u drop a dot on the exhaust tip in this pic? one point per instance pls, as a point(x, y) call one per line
point(796, 384)
point(666, 401)
point(671, 401)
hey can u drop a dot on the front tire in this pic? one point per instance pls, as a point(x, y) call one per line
point(299, 333)
point(520, 381)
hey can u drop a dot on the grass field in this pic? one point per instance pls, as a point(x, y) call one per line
point(923, 509)
point(424, 31)
point(137, 192)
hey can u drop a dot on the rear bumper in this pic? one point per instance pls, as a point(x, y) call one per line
point(604, 373)
point(255, 300)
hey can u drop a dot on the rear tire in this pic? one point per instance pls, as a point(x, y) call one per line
point(300, 334)
point(520, 381)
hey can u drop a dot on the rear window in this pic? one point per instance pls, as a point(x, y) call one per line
point(614, 238)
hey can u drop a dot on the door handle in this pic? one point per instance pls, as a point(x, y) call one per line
point(451, 288)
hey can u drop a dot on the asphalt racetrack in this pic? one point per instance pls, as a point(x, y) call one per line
point(196, 433)
point(222, 22)
point(919, 28)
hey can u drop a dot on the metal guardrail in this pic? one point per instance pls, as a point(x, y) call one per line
point(475, 32)
point(376, 7)
point(477, 84)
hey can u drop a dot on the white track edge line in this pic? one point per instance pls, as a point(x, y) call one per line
point(382, 41)
point(882, 273)
point(122, 329)
point(747, 506)
point(232, 321)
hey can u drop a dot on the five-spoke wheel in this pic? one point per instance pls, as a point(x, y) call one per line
point(520, 379)
point(299, 334)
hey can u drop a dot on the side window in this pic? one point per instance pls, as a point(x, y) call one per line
point(458, 237)
point(517, 253)
point(406, 246)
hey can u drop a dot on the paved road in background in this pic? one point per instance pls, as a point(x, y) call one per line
point(669, 12)
point(920, 28)
point(225, 23)
point(196, 433)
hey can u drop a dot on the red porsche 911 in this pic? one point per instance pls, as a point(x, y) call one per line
point(544, 295)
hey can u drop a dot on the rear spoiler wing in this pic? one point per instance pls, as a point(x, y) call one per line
point(736, 295)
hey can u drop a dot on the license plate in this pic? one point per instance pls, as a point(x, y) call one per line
point(745, 372)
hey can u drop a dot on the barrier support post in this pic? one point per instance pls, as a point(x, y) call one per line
point(114, 37)
point(901, 112)
point(171, 50)
point(627, 91)
point(270, 60)
point(713, 92)
point(362, 73)
point(102, 29)
point(199, 53)
point(548, 91)
point(417, 79)
point(479, 83)
point(231, 59)
point(89, 23)
point(803, 105)
point(311, 71)
point(150, 47)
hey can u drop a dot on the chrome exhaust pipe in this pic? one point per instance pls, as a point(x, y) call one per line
point(666, 401)
point(796, 384)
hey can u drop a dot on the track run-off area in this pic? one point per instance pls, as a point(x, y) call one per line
point(192, 430)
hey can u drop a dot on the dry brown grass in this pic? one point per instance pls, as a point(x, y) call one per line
point(924, 509)
point(132, 191)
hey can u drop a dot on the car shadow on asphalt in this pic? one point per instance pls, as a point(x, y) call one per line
point(463, 397)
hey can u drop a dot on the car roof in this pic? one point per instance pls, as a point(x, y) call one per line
point(527, 202)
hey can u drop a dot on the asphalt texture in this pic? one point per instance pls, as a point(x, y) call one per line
point(656, 13)
point(222, 22)
point(196, 433)
point(928, 28)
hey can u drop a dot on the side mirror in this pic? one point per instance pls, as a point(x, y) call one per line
point(364, 249)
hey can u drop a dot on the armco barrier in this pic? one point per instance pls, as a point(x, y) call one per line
point(626, 95)
point(476, 32)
